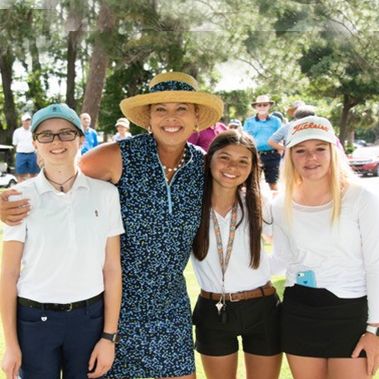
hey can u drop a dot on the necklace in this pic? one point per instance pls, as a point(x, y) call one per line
point(62, 184)
point(175, 168)
point(322, 202)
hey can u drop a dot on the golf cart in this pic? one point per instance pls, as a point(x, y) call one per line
point(6, 178)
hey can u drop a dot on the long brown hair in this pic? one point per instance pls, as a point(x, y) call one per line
point(252, 194)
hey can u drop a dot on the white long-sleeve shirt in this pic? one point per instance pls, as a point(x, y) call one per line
point(239, 276)
point(344, 256)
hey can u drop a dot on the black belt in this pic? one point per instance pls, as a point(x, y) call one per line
point(60, 307)
point(267, 152)
point(26, 153)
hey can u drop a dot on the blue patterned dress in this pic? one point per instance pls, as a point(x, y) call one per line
point(160, 223)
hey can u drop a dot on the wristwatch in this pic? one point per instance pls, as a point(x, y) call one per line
point(114, 337)
point(373, 329)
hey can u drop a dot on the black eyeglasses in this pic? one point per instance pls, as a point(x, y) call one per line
point(48, 137)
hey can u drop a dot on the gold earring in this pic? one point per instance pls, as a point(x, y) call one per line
point(197, 127)
point(149, 129)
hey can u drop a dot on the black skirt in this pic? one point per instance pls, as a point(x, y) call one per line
point(316, 323)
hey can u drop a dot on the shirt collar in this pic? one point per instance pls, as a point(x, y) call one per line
point(258, 119)
point(43, 185)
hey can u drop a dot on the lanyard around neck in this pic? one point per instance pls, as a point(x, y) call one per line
point(224, 262)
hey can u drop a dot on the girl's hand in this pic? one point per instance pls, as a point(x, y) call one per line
point(11, 362)
point(370, 344)
point(101, 358)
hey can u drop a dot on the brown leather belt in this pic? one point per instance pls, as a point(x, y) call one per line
point(265, 290)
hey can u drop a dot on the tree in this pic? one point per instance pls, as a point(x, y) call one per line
point(332, 43)
point(6, 63)
point(11, 40)
point(99, 63)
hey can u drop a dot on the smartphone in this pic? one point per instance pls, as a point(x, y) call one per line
point(306, 278)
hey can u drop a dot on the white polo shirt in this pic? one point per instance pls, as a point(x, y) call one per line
point(239, 276)
point(22, 138)
point(64, 239)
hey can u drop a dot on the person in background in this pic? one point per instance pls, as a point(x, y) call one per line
point(279, 138)
point(236, 298)
point(203, 138)
point(123, 126)
point(325, 235)
point(91, 138)
point(280, 116)
point(261, 127)
point(26, 157)
point(60, 289)
point(296, 104)
point(235, 124)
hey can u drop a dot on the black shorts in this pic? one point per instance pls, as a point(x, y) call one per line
point(255, 320)
point(316, 323)
point(270, 164)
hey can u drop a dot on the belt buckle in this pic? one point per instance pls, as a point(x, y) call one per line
point(231, 298)
point(70, 307)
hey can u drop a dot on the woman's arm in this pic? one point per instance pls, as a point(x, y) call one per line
point(103, 162)
point(103, 353)
point(10, 272)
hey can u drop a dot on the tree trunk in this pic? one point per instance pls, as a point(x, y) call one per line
point(348, 103)
point(75, 27)
point(36, 90)
point(72, 48)
point(98, 66)
point(6, 63)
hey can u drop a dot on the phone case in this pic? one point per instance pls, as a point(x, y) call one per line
point(307, 278)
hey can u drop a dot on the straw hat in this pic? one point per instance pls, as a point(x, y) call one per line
point(173, 87)
point(291, 111)
point(262, 99)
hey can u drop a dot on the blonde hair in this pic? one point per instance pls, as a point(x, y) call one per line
point(341, 175)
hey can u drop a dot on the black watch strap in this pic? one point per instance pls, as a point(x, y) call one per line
point(114, 337)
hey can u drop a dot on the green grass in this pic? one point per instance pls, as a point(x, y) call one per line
point(193, 290)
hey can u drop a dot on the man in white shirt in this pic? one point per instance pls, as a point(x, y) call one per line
point(26, 157)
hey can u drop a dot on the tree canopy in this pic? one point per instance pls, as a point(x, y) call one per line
point(93, 54)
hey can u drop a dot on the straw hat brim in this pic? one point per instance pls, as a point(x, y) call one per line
point(291, 111)
point(136, 108)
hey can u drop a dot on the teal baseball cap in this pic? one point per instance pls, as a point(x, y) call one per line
point(56, 111)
